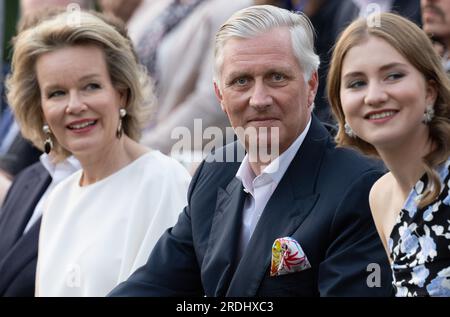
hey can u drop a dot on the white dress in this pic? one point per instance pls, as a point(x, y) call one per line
point(94, 237)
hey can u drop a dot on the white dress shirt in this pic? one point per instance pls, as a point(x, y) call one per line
point(260, 188)
point(58, 172)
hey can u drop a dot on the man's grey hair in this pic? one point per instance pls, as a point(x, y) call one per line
point(256, 20)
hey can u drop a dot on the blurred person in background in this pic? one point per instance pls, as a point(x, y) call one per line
point(176, 45)
point(436, 23)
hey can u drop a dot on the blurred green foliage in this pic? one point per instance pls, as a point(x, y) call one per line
point(11, 15)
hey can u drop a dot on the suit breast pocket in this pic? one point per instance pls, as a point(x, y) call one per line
point(303, 283)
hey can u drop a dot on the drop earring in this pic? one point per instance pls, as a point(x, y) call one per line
point(122, 114)
point(428, 115)
point(349, 131)
point(48, 143)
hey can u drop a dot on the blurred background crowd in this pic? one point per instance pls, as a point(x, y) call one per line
point(174, 40)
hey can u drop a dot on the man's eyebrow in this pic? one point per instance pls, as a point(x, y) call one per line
point(238, 73)
point(285, 70)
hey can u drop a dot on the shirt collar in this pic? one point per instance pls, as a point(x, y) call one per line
point(70, 164)
point(276, 169)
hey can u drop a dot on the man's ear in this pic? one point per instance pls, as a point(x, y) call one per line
point(219, 96)
point(313, 85)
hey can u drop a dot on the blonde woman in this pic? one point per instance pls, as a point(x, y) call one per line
point(76, 87)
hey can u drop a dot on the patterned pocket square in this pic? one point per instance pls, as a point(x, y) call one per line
point(287, 257)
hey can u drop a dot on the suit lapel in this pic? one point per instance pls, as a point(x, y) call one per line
point(288, 207)
point(19, 256)
point(220, 257)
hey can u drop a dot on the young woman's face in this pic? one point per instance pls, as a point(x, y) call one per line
point(383, 96)
point(79, 101)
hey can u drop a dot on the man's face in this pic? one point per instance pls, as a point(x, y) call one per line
point(436, 18)
point(263, 86)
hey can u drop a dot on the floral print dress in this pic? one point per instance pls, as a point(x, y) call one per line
point(419, 244)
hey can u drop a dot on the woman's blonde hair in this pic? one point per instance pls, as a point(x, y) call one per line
point(61, 31)
point(413, 44)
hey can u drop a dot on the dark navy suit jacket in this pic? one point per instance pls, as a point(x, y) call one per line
point(18, 252)
point(322, 202)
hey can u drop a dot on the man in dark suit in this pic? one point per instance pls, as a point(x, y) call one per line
point(20, 221)
point(18, 250)
point(293, 224)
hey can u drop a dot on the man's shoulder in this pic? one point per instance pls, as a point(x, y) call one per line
point(219, 167)
point(26, 181)
point(226, 159)
point(32, 171)
point(345, 160)
point(334, 159)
